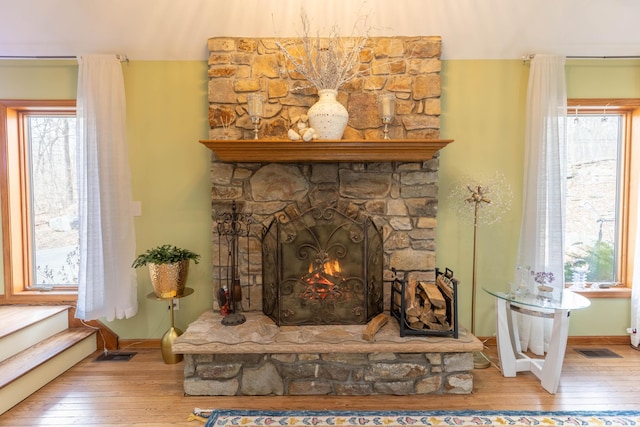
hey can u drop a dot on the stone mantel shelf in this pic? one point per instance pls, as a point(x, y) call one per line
point(378, 150)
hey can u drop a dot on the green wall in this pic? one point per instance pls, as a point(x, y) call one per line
point(483, 110)
point(484, 106)
point(167, 111)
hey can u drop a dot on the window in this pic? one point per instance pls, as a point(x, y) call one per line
point(600, 213)
point(39, 198)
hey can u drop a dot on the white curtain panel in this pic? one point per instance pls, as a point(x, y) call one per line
point(635, 295)
point(541, 234)
point(107, 285)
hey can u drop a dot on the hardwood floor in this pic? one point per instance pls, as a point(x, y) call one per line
point(146, 392)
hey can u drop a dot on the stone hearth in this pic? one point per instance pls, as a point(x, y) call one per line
point(260, 358)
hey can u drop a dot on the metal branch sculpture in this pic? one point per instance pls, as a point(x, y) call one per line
point(484, 209)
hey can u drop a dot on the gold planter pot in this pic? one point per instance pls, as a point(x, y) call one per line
point(169, 280)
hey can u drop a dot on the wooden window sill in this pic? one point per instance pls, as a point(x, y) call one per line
point(615, 292)
point(38, 297)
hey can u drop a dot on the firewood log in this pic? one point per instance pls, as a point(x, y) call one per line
point(441, 315)
point(416, 325)
point(413, 311)
point(444, 285)
point(440, 311)
point(374, 326)
point(412, 307)
point(413, 319)
point(434, 294)
point(428, 317)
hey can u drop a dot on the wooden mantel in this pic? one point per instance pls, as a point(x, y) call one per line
point(379, 150)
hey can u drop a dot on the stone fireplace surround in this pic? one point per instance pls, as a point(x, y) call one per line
point(401, 197)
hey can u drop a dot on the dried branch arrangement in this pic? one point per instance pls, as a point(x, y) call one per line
point(326, 62)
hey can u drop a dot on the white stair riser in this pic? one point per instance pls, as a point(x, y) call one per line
point(29, 383)
point(33, 334)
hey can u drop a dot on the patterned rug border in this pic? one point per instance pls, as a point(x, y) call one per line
point(339, 418)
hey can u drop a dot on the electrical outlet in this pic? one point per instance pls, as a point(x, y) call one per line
point(176, 303)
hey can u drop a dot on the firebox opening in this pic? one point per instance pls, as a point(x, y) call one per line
point(324, 282)
point(322, 267)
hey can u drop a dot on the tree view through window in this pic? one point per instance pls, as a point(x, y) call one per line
point(54, 216)
point(594, 153)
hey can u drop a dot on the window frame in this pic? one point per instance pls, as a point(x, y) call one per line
point(16, 238)
point(629, 175)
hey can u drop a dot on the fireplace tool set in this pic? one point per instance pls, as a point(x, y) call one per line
point(230, 227)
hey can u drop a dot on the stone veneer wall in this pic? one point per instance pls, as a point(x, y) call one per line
point(400, 196)
point(408, 67)
point(328, 374)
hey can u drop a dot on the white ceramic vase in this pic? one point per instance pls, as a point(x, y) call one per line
point(327, 116)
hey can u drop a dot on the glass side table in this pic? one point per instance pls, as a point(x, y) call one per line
point(510, 354)
point(170, 336)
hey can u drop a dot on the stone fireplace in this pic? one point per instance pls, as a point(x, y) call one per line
point(389, 187)
point(400, 197)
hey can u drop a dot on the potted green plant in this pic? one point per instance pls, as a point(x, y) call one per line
point(168, 268)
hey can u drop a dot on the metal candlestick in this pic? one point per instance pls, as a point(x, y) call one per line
point(255, 105)
point(386, 111)
point(386, 121)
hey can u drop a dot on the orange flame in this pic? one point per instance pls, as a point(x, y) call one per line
point(331, 268)
point(321, 282)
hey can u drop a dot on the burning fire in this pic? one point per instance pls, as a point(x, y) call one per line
point(331, 268)
point(322, 282)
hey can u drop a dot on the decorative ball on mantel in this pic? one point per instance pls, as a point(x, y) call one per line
point(301, 129)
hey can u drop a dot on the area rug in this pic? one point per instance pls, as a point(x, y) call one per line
point(255, 418)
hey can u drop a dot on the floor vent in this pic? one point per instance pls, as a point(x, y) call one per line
point(120, 356)
point(597, 353)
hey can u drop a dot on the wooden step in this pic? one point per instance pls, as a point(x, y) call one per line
point(26, 325)
point(26, 372)
point(16, 317)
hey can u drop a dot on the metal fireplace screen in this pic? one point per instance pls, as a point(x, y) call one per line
point(322, 268)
